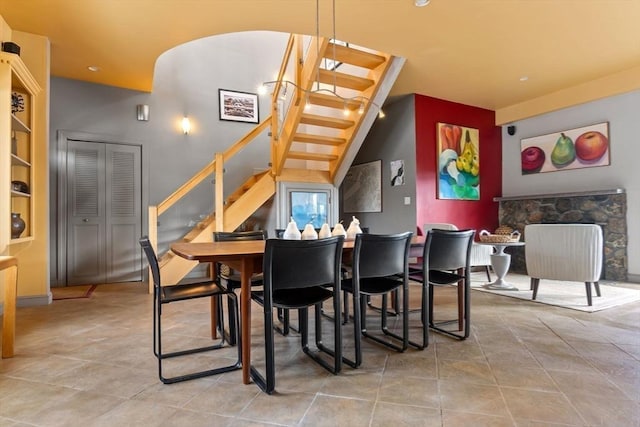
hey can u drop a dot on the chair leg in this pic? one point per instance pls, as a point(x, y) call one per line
point(597, 286)
point(357, 330)
point(266, 384)
point(336, 353)
point(534, 286)
point(464, 299)
point(587, 285)
point(383, 324)
point(161, 356)
point(461, 297)
point(234, 327)
point(486, 268)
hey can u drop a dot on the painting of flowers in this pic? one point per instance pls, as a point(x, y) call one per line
point(458, 162)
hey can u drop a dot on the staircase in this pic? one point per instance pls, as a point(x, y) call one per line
point(312, 139)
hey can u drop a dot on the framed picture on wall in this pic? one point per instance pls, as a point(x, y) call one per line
point(238, 106)
point(458, 162)
point(362, 188)
point(578, 148)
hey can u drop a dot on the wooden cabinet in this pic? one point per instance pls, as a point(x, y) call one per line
point(18, 90)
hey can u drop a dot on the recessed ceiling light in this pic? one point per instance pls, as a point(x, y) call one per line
point(421, 3)
point(93, 68)
point(524, 78)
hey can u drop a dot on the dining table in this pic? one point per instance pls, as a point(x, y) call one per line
point(246, 258)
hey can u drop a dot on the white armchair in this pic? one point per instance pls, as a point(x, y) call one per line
point(480, 254)
point(569, 252)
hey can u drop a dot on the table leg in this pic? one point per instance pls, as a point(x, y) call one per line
point(9, 315)
point(245, 321)
point(500, 261)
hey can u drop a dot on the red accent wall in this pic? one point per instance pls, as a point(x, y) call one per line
point(481, 214)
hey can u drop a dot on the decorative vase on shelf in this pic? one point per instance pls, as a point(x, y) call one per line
point(14, 144)
point(17, 225)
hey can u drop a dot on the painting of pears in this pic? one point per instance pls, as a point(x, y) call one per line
point(578, 148)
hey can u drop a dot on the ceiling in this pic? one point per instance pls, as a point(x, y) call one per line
point(474, 52)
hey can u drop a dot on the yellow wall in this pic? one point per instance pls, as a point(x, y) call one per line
point(33, 256)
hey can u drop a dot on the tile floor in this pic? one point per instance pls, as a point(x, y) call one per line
point(88, 362)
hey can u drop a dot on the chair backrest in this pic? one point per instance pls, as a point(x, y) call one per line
point(232, 236)
point(381, 255)
point(571, 252)
point(438, 226)
point(153, 260)
point(447, 249)
point(289, 264)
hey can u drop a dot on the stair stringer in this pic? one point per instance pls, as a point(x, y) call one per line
point(370, 117)
point(175, 268)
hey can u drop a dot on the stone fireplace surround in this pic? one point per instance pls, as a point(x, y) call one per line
point(607, 208)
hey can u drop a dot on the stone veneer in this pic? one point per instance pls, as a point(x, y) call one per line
point(605, 208)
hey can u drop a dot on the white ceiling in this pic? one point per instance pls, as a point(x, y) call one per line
point(469, 51)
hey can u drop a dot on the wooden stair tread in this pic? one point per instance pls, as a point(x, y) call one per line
point(318, 139)
point(352, 56)
point(332, 122)
point(304, 155)
point(332, 101)
point(344, 80)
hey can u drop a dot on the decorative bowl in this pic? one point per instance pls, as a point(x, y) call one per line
point(20, 186)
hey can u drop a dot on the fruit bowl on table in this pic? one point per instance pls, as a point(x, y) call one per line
point(486, 237)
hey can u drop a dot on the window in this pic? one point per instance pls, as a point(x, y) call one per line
point(309, 207)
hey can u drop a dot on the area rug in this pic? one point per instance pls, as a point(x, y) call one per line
point(73, 292)
point(566, 294)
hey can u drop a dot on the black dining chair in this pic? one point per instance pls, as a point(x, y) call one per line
point(445, 261)
point(167, 294)
point(380, 267)
point(230, 279)
point(299, 274)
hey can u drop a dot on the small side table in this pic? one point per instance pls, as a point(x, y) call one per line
point(10, 264)
point(500, 262)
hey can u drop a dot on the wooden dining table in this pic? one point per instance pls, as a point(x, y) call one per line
point(245, 257)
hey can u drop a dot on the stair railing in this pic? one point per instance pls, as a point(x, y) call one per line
point(215, 167)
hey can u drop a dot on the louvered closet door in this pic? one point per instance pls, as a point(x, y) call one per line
point(104, 213)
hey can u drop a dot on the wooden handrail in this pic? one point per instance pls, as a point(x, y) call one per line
point(211, 167)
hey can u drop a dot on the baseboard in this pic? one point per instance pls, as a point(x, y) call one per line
point(31, 301)
point(633, 278)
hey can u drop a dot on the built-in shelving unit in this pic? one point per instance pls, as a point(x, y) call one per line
point(16, 146)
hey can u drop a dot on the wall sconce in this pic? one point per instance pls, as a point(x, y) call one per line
point(186, 125)
point(142, 112)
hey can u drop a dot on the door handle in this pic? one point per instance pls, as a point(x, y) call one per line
point(85, 220)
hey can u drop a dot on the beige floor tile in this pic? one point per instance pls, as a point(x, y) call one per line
point(465, 371)
point(474, 398)
point(281, 408)
point(389, 414)
point(524, 377)
point(540, 406)
point(465, 419)
point(412, 391)
point(331, 411)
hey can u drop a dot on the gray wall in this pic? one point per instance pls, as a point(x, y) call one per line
point(391, 138)
point(186, 82)
point(624, 127)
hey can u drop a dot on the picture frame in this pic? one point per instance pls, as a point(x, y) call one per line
point(578, 148)
point(458, 158)
point(362, 188)
point(238, 106)
point(330, 64)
